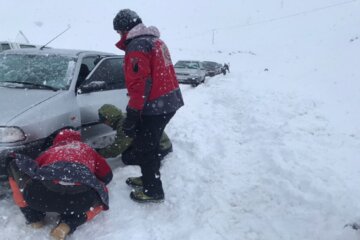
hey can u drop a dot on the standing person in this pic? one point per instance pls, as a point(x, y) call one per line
point(69, 178)
point(154, 94)
point(227, 67)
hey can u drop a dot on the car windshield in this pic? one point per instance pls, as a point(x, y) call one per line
point(187, 64)
point(210, 65)
point(36, 71)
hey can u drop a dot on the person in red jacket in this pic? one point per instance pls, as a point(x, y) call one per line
point(69, 178)
point(154, 97)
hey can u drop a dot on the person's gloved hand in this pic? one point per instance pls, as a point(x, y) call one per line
point(130, 122)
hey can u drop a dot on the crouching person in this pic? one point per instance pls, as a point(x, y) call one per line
point(69, 178)
point(113, 117)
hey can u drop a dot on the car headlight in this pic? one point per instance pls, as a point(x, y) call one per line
point(11, 134)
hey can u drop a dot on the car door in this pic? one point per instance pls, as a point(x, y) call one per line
point(108, 73)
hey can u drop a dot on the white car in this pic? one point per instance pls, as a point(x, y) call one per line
point(44, 91)
point(6, 45)
point(190, 72)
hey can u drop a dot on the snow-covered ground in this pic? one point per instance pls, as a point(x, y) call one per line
point(268, 152)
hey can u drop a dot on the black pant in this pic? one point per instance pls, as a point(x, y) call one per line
point(129, 155)
point(72, 207)
point(146, 144)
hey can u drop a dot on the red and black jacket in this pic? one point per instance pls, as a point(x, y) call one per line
point(69, 161)
point(68, 147)
point(149, 73)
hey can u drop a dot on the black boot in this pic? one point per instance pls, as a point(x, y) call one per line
point(135, 182)
point(139, 196)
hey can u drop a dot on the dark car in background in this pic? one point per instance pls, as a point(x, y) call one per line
point(212, 68)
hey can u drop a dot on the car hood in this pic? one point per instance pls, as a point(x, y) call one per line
point(186, 70)
point(14, 101)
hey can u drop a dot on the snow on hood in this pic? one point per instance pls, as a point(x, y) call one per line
point(13, 102)
point(141, 29)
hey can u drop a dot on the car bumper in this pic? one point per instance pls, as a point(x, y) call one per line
point(211, 73)
point(32, 149)
point(189, 80)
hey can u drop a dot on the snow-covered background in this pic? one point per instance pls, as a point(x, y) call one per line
point(270, 151)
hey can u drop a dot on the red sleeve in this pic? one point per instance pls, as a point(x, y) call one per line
point(137, 73)
point(102, 169)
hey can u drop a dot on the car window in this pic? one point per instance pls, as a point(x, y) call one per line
point(194, 65)
point(179, 64)
point(27, 46)
point(111, 72)
point(90, 62)
point(187, 64)
point(210, 65)
point(55, 71)
point(87, 65)
point(4, 46)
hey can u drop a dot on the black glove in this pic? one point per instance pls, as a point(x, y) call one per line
point(130, 122)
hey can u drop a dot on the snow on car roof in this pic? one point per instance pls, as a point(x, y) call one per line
point(65, 52)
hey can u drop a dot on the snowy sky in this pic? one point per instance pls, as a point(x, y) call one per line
point(185, 23)
point(267, 152)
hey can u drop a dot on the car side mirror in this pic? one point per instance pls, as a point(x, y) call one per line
point(94, 86)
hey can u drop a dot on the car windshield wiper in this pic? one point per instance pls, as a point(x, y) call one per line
point(41, 86)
